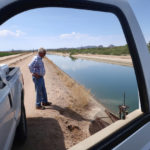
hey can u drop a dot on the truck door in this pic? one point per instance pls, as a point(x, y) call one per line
point(7, 122)
point(15, 89)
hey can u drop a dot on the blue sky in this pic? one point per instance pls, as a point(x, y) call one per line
point(59, 27)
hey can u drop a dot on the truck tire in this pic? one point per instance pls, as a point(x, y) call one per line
point(21, 131)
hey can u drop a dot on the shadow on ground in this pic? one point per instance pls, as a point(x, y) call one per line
point(43, 134)
point(69, 113)
point(97, 125)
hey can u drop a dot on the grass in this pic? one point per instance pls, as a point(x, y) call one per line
point(117, 50)
point(79, 93)
point(2, 54)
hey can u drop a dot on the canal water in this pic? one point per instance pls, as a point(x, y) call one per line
point(107, 82)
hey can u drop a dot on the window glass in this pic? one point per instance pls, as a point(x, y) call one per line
point(89, 78)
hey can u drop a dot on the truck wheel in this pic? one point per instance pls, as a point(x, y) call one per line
point(21, 132)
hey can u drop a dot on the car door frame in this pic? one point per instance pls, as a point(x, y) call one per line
point(8, 123)
point(134, 37)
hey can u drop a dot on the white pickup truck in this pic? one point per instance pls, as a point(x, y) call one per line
point(12, 111)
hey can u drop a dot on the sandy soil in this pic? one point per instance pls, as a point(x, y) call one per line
point(120, 60)
point(69, 120)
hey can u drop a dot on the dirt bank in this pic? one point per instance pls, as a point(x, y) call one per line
point(69, 120)
point(119, 60)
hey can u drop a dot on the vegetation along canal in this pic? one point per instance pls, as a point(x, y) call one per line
point(107, 82)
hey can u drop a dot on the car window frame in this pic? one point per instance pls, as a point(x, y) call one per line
point(14, 7)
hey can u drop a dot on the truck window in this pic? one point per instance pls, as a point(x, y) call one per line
point(12, 72)
point(2, 84)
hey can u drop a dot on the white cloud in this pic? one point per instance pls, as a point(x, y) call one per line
point(72, 35)
point(8, 33)
point(78, 39)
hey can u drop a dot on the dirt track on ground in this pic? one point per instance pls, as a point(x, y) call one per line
point(66, 122)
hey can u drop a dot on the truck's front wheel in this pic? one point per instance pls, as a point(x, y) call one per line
point(21, 132)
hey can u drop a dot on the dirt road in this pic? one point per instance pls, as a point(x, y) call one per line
point(68, 121)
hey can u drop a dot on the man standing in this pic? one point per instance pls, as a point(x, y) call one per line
point(37, 69)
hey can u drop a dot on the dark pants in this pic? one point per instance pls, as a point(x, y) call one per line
point(41, 95)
